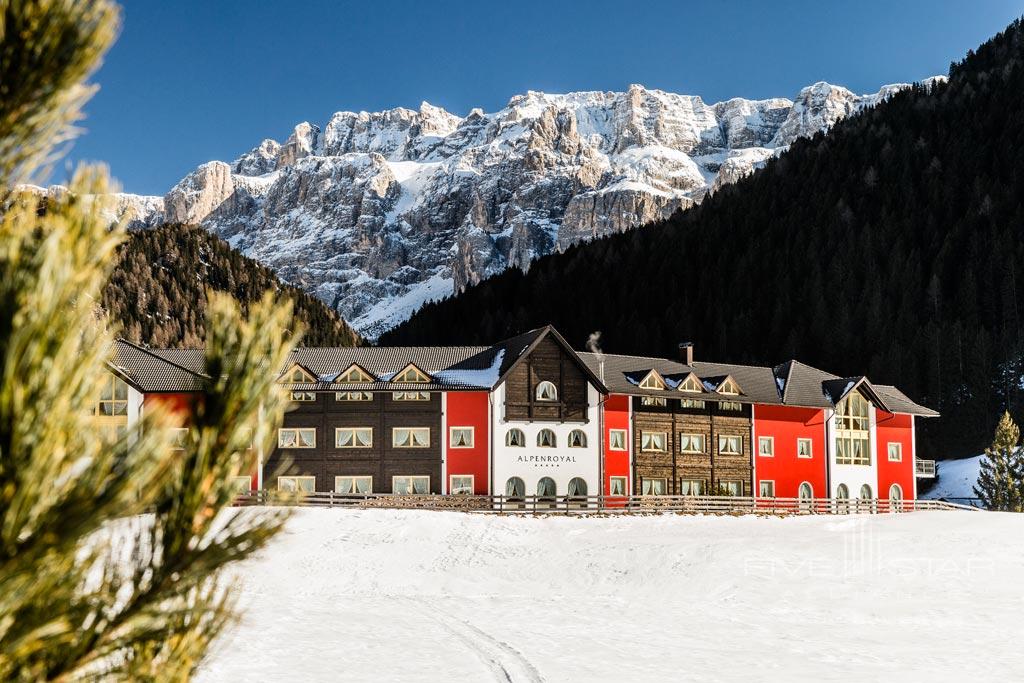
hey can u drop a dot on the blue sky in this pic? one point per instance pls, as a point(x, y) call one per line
point(192, 81)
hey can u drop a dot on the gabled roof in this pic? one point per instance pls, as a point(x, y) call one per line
point(519, 347)
point(677, 381)
point(801, 385)
point(413, 366)
point(899, 402)
point(336, 377)
point(151, 373)
point(283, 377)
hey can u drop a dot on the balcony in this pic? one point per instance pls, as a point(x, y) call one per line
point(924, 469)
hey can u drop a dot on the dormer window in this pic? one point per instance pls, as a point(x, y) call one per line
point(691, 384)
point(353, 375)
point(729, 387)
point(546, 391)
point(411, 375)
point(296, 374)
point(652, 381)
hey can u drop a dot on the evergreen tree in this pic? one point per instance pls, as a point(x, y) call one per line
point(1001, 475)
point(111, 552)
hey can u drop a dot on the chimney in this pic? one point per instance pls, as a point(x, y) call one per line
point(686, 353)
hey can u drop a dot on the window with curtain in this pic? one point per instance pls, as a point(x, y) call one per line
point(653, 401)
point(654, 487)
point(895, 449)
point(730, 406)
point(353, 437)
point(302, 396)
point(730, 487)
point(806, 492)
point(296, 437)
point(577, 439)
point(546, 439)
point(852, 431)
point(656, 442)
point(577, 487)
point(410, 437)
point(617, 439)
point(617, 486)
point(410, 395)
point(461, 437)
point(515, 487)
point(515, 438)
point(347, 396)
point(730, 445)
point(691, 487)
point(546, 487)
point(409, 485)
point(113, 397)
point(765, 446)
point(842, 492)
point(462, 484)
point(691, 443)
point(865, 492)
point(766, 489)
point(296, 484)
point(804, 448)
point(546, 391)
point(353, 485)
point(692, 403)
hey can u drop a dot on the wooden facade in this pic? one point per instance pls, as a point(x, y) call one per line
point(710, 467)
point(382, 460)
point(548, 361)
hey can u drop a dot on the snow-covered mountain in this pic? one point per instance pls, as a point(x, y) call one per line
point(376, 213)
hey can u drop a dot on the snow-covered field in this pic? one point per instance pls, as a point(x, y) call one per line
point(429, 596)
point(956, 478)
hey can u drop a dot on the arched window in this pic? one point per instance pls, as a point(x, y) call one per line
point(546, 439)
point(842, 499)
point(865, 492)
point(546, 487)
point(577, 487)
point(806, 492)
point(577, 439)
point(853, 445)
point(546, 391)
point(515, 438)
point(515, 487)
point(896, 498)
point(842, 492)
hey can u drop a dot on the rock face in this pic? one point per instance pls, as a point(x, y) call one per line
point(378, 212)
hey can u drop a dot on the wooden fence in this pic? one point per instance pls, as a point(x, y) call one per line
point(584, 505)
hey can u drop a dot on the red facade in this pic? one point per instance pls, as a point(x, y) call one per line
point(616, 461)
point(785, 425)
point(468, 409)
point(895, 429)
point(180, 405)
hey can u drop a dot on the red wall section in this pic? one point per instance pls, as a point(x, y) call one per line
point(616, 463)
point(786, 424)
point(899, 428)
point(468, 409)
point(177, 404)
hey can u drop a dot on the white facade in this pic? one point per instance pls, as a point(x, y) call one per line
point(531, 462)
point(854, 476)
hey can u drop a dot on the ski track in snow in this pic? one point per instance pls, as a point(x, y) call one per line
point(393, 595)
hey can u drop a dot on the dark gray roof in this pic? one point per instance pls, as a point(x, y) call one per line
point(898, 402)
point(149, 372)
point(190, 359)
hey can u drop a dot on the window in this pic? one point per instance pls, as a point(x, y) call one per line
point(766, 488)
point(411, 375)
point(515, 487)
point(410, 437)
point(353, 396)
point(354, 374)
point(302, 396)
point(691, 487)
point(617, 486)
point(546, 439)
point(730, 487)
point(515, 438)
point(410, 395)
point(577, 487)
point(895, 451)
point(296, 437)
point(353, 485)
point(296, 484)
point(546, 391)
point(766, 446)
point(577, 439)
point(691, 384)
point(460, 437)
point(113, 397)
point(852, 436)
point(353, 437)
point(241, 484)
point(653, 487)
point(296, 375)
point(865, 492)
point(653, 401)
point(730, 406)
point(896, 495)
point(410, 485)
point(652, 381)
point(806, 492)
point(730, 445)
point(617, 439)
point(546, 487)
point(729, 387)
point(462, 484)
point(691, 403)
point(653, 441)
point(691, 443)
point(843, 492)
point(803, 448)
point(178, 438)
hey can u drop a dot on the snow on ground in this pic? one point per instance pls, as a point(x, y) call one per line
point(396, 595)
point(956, 478)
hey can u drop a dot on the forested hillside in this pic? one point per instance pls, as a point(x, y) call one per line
point(891, 247)
point(157, 292)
